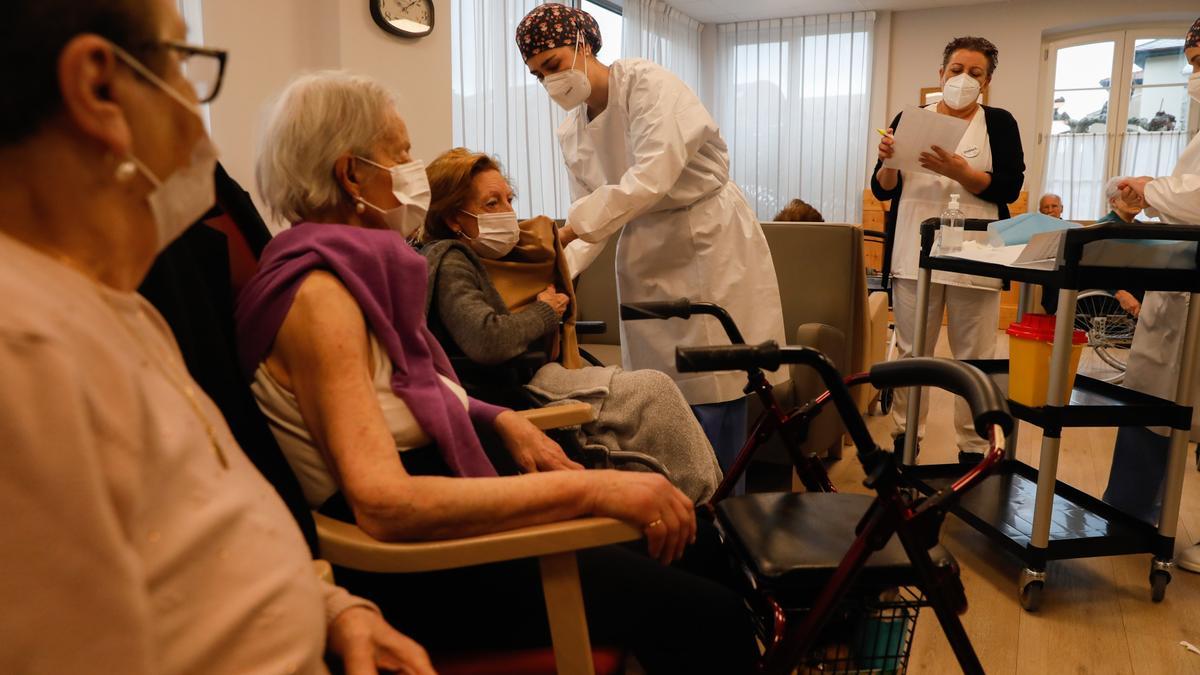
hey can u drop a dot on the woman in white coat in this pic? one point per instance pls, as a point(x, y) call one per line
point(647, 163)
point(1141, 454)
point(986, 171)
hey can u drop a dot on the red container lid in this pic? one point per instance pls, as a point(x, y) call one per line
point(1040, 327)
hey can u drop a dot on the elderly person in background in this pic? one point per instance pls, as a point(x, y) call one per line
point(138, 538)
point(484, 269)
point(1121, 211)
point(1051, 205)
point(798, 211)
point(369, 414)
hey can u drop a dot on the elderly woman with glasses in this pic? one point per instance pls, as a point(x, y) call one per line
point(375, 425)
point(138, 538)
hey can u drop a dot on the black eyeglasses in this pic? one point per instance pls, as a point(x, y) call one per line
point(204, 67)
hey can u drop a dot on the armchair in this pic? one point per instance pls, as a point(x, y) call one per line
point(553, 544)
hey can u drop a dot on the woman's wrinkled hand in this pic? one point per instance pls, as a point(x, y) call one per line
point(1133, 191)
point(948, 164)
point(1129, 303)
point(367, 645)
point(557, 301)
point(648, 501)
point(532, 450)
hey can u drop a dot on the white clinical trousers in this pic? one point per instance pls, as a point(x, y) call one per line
point(972, 315)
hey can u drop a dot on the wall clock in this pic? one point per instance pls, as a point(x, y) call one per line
point(406, 18)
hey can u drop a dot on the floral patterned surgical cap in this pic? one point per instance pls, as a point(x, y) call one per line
point(554, 25)
point(1193, 36)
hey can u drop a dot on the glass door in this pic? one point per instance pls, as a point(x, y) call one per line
point(1116, 105)
point(1077, 142)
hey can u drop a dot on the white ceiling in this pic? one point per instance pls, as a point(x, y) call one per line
point(724, 11)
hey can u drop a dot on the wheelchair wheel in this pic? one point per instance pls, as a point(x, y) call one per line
point(885, 400)
point(1110, 334)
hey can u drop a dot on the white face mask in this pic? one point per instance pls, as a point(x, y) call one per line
point(1193, 87)
point(410, 185)
point(498, 234)
point(960, 91)
point(570, 88)
point(189, 192)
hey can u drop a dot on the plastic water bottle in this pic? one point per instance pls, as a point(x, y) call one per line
point(952, 227)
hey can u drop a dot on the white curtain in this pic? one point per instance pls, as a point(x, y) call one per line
point(1075, 169)
point(1152, 153)
point(500, 109)
point(1077, 164)
point(657, 31)
point(793, 99)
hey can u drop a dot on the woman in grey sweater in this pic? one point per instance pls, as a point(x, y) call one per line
point(470, 226)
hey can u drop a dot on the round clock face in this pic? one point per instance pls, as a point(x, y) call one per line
point(411, 17)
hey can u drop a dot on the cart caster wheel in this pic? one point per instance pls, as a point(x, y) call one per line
point(1031, 596)
point(885, 407)
point(1158, 585)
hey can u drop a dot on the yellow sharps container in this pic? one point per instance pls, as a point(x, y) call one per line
point(1030, 344)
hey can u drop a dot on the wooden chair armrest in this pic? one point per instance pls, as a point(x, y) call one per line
point(346, 545)
point(558, 416)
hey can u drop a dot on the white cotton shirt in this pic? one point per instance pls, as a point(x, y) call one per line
point(126, 546)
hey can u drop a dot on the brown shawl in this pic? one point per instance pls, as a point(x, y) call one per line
point(537, 261)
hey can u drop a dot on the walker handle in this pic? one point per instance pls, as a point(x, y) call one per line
point(680, 308)
point(728, 357)
point(987, 403)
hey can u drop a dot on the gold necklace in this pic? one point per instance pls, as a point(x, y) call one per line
point(188, 390)
point(185, 389)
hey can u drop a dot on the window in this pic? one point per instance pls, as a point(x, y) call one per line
point(500, 109)
point(608, 16)
point(792, 102)
point(1115, 104)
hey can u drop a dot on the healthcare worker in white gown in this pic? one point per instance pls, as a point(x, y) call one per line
point(648, 165)
point(1140, 456)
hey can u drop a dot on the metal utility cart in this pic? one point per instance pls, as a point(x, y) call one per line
point(1028, 511)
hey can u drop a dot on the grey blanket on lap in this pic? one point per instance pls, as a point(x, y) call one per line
point(638, 411)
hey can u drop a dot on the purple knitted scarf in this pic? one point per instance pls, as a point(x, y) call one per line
point(387, 279)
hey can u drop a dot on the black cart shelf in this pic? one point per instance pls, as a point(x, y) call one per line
point(1033, 515)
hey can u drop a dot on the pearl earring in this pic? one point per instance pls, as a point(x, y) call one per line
point(125, 171)
point(360, 207)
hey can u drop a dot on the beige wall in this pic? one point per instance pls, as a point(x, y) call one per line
point(1017, 28)
point(271, 41)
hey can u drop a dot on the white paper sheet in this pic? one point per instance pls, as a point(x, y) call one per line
point(1042, 248)
point(996, 255)
point(920, 130)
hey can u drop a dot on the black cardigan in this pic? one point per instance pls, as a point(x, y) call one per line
point(1008, 175)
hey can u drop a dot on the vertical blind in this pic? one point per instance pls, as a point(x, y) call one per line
point(793, 100)
point(657, 31)
point(500, 109)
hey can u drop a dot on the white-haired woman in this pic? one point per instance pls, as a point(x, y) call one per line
point(1121, 211)
point(367, 410)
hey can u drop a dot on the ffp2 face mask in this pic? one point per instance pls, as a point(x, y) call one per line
point(960, 91)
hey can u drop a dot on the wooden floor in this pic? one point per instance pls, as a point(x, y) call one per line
point(1096, 615)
